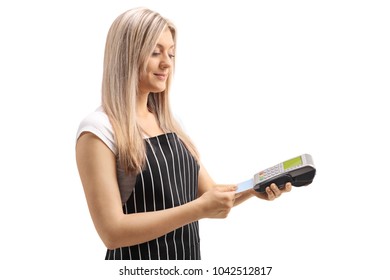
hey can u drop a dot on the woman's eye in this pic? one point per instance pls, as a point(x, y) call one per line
point(158, 53)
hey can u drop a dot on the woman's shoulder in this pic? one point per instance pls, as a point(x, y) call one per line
point(97, 118)
point(99, 124)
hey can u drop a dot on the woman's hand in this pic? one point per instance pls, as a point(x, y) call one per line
point(217, 202)
point(272, 192)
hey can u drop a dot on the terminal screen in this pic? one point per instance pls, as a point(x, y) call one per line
point(291, 163)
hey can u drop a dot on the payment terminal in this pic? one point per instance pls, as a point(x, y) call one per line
point(299, 171)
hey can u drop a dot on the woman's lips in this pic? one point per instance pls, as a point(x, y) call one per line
point(161, 77)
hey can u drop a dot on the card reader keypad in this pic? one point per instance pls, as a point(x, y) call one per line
point(270, 172)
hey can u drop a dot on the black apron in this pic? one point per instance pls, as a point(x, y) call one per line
point(170, 179)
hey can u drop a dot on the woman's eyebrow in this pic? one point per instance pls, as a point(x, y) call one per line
point(163, 47)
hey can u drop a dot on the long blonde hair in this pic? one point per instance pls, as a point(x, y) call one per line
point(130, 42)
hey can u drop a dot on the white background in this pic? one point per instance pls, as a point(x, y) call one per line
point(256, 83)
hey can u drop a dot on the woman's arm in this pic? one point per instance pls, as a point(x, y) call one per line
point(206, 183)
point(97, 168)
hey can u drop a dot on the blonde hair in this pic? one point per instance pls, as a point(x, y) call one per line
point(130, 42)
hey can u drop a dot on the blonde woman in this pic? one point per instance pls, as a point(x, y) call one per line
point(145, 186)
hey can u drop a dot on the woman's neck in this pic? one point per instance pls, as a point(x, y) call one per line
point(146, 119)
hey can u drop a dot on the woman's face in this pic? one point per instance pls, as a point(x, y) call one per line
point(159, 65)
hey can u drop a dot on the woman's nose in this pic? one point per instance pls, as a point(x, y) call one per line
point(166, 61)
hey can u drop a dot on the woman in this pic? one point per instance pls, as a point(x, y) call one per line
point(145, 186)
